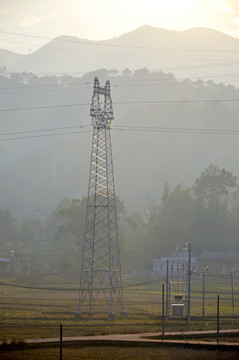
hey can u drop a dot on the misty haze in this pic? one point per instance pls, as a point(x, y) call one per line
point(174, 184)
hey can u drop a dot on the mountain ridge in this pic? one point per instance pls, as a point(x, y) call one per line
point(196, 31)
point(9, 58)
point(146, 46)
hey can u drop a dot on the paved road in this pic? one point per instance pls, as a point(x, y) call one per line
point(141, 338)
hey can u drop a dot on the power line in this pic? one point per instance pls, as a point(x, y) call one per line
point(26, 91)
point(179, 130)
point(45, 135)
point(162, 81)
point(40, 130)
point(170, 68)
point(72, 289)
point(133, 55)
point(103, 43)
point(128, 128)
point(122, 103)
point(27, 86)
point(178, 78)
point(175, 101)
point(145, 283)
point(221, 62)
point(44, 107)
point(76, 88)
point(73, 87)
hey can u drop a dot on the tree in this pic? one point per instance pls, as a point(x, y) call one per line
point(29, 235)
point(214, 186)
point(132, 231)
point(176, 218)
point(142, 73)
point(73, 220)
point(8, 232)
point(213, 190)
point(127, 72)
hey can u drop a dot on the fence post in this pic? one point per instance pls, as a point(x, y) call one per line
point(167, 294)
point(162, 311)
point(60, 341)
point(189, 282)
point(232, 292)
point(218, 320)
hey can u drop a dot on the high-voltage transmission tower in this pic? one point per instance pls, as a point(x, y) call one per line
point(100, 275)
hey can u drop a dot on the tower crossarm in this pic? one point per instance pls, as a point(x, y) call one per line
point(101, 110)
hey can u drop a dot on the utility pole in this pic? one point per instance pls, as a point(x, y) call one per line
point(189, 281)
point(167, 290)
point(101, 267)
point(162, 311)
point(218, 318)
point(203, 290)
point(188, 248)
point(203, 294)
point(60, 341)
point(13, 261)
point(232, 287)
point(169, 298)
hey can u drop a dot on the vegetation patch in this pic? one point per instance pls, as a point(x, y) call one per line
point(119, 353)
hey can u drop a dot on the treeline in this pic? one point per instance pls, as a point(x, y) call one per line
point(175, 125)
point(205, 215)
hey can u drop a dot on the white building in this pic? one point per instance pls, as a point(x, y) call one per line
point(177, 264)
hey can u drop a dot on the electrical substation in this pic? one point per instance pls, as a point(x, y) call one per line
point(178, 283)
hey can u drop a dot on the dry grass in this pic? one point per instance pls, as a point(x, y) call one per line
point(33, 313)
point(109, 353)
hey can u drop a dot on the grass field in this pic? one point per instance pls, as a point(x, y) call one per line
point(115, 353)
point(38, 307)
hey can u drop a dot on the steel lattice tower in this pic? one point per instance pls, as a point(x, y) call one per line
point(101, 267)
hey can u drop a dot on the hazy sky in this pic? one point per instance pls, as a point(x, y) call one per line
point(105, 19)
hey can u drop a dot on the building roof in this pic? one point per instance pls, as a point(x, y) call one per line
point(219, 256)
point(172, 258)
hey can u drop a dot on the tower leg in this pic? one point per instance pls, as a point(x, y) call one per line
point(123, 314)
point(111, 316)
point(77, 316)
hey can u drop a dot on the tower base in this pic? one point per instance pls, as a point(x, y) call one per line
point(77, 316)
point(90, 312)
point(111, 316)
point(123, 314)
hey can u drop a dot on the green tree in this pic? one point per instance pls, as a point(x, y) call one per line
point(214, 186)
point(133, 240)
point(8, 232)
point(234, 221)
point(176, 218)
point(73, 220)
point(213, 190)
point(29, 235)
point(60, 243)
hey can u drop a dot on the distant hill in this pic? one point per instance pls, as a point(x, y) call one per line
point(195, 38)
point(9, 59)
point(197, 52)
